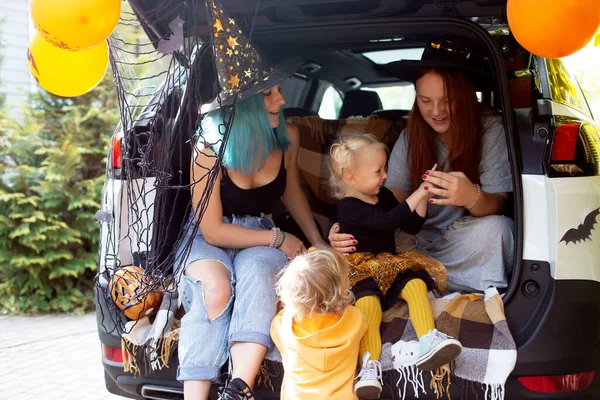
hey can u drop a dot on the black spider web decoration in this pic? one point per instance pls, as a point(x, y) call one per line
point(144, 220)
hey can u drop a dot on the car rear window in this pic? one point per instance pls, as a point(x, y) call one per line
point(396, 97)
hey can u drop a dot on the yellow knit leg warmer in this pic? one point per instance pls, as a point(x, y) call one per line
point(415, 294)
point(371, 342)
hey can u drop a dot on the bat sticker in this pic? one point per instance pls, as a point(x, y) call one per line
point(584, 231)
point(174, 42)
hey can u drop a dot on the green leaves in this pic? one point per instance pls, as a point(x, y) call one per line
point(52, 166)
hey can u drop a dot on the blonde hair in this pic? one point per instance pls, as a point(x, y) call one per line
point(341, 158)
point(315, 283)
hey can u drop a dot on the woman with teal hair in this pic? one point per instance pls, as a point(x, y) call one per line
point(228, 279)
point(228, 266)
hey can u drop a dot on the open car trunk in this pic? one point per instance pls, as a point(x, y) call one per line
point(285, 12)
point(314, 29)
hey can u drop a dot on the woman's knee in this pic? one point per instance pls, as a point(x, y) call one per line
point(498, 226)
point(212, 281)
point(476, 235)
point(216, 297)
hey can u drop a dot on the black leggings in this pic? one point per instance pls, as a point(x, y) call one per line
point(368, 287)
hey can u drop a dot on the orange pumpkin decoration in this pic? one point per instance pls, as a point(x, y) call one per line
point(129, 288)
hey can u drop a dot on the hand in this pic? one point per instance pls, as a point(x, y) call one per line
point(427, 185)
point(292, 246)
point(455, 188)
point(341, 242)
point(423, 191)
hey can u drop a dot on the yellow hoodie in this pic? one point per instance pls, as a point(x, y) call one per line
point(319, 364)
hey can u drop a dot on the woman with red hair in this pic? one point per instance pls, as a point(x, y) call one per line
point(466, 230)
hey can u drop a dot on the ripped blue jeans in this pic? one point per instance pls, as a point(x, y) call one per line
point(203, 343)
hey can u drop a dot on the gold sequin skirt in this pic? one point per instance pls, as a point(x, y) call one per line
point(385, 267)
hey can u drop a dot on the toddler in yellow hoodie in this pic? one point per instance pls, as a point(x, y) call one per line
point(318, 332)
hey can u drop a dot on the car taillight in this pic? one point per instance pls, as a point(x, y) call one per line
point(558, 383)
point(116, 152)
point(565, 141)
point(116, 160)
point(113, 353)
point(575, 149)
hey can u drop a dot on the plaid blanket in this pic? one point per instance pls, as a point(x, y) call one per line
point(488, 357)
point(477, 321)
point(148, 346)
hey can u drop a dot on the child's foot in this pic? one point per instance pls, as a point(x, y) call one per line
point(369, 385)
point(437, 349)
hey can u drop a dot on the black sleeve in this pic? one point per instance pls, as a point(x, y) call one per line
point(360, 214)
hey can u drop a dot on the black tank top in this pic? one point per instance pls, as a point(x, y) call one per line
point(256, 201)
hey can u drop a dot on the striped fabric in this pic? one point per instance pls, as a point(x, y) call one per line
point(316, 137)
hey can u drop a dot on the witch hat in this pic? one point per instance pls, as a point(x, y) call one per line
point(241, 70)
point(443, 53)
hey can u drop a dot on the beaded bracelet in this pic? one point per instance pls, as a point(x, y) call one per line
point(276, 237)
point(282, 240)
point(476, 197)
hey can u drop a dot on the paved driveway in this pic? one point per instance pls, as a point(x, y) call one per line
point(51, 357)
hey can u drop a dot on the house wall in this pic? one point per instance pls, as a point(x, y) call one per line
point(15, 79)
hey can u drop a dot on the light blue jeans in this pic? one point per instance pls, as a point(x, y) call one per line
point(203, 343)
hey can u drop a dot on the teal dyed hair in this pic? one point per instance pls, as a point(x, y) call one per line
point(251, 138)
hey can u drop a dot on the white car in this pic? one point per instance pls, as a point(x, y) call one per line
point(552, 303)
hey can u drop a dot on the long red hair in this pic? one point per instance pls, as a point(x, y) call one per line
point(464, 135)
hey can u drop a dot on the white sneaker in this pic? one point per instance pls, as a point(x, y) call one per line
point(369, 385)
point(437, 349)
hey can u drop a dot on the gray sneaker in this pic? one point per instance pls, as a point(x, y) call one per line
point(437, 349)
point(369, 385)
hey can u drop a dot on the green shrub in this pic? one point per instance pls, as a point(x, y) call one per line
point(52, 165)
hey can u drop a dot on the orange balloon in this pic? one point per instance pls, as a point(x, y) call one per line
point(553, 28)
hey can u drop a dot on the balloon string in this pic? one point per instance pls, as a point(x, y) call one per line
point(253, 21)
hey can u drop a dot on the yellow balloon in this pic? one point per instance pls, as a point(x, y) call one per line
point(75, 24)
point(63, 72)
